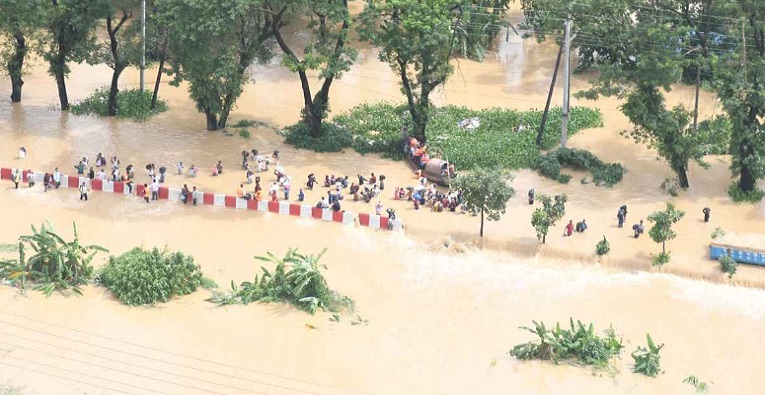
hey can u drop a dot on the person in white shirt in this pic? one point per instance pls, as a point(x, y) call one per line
point(155, 190)
point(179, 166)
point(101, 175)
point(22, 153)
point(83, 192)
point(57, 178)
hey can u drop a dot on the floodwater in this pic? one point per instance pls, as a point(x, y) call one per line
point(439, 322)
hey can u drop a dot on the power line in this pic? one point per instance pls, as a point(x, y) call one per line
point(65, 378)
point(167, 352)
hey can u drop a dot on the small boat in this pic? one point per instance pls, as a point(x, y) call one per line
point(436, 170)
point(742, 248)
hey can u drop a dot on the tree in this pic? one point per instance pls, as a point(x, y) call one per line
point(213, 45)
point(546, 216)
point(118, 57)
point(329, 22)
point(483, 20)
point(70, 25)
point(661, 231)
point(485, 191)
point(416, 39)
point(19, 21)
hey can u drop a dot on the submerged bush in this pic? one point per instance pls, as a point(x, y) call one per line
point(740, 196)
point(296, 279)
point(332, 139)
point(728, 265)
point(603, 247)
point(648, 360)
point(579, 344)
point(550, 164)
point(140, 277)
point(56, 265)
point(505, 137)
point(132, 103)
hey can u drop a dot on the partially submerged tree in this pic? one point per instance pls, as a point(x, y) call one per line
point(485, 192)
point(214, 43)
point(120, 52)
point(545, 217)
point(326, 50)
point(662, 231)
point(70, 25)
point(19, 21)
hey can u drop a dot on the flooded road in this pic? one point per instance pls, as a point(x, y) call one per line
point(436, 320)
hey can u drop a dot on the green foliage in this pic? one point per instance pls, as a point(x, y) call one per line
point(714, 135)
point(245, 123)
point(550, 164)
point(244, 133)
point(661, 231)
point(740, 196)
point(11, 390)
point(69, 37)
point(140, 277)
point(546, 216)
point(718, 232)
point(331, 139)
point(132, 104)
point(728, 265)
point(603, 247)
point(56, 265)
point(325, 50)
point(485, 191)
point(20, 22)
point(700, 386)
point(579, 344)
point(480, 24)
point(660, 259)
point(497, 142)
point(213, 44)
point(670, 185)
point(647, 360)
point(295, 279)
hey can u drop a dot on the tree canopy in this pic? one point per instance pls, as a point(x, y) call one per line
point(19, 24)
point(545, 217)
point(485, 191)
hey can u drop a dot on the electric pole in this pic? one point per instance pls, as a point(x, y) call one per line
point(566, 83)
point(143, 42)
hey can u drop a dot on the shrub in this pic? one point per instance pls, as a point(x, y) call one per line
point(564, 178)
point(244, 133)
point(647, 360)
point(740, 196)
point(56, 265)
point(140, 277)
point(718, 232)
point(505, 137)
point(660, 259)
point(133, 104)
point(296, 279)
point(603, 247)
point(671, 185)
point(700, 386)
point(332, 139)
point(244, 123)
point(578, 344)
point(550, 164)
point(728, 265)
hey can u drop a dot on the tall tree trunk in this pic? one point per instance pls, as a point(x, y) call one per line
point(113, 90)
point(61, 85)
point(481, 233)
point(663, 247)
point(746, 181)
point(212, 120)
point(682, 175)
point(228, 103)
point(162, 56)
point(16, 65)
point(418, 125)
point(544, 238)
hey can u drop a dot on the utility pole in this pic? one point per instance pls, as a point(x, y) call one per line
point(541, 130)
point(566, 83)
point(143, 42)
point(696, 105)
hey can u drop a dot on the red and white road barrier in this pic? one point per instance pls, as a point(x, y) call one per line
point(220, 200)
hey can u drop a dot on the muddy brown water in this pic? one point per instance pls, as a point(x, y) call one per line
point(437, 319)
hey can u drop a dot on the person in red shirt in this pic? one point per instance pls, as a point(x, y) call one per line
point(569, 229)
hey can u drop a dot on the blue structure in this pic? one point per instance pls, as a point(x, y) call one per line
point(739, 254)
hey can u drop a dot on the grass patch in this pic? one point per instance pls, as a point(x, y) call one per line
point(56, 264)
point(550, 165)
point(579, 345)
point(140, 277)
point(296, 279)
point(244, 133)
point(740, 196)
point(497, 142)
point(132, 104)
